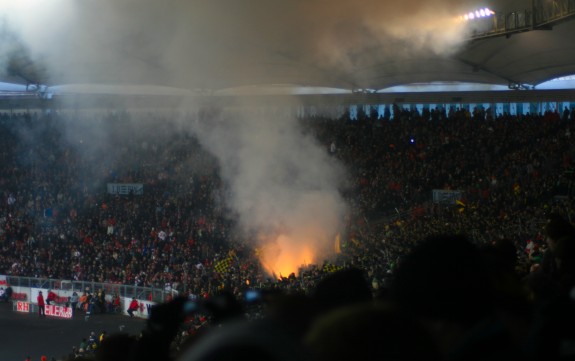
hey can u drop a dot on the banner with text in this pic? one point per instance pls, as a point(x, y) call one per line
point(22, 306)
point(126, 188)
point(58, 311)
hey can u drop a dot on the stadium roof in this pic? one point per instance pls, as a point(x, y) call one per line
point(221, 46)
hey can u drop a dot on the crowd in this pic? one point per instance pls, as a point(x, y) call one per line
point(514, 172)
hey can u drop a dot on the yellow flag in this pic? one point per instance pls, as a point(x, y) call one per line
point(460, 205)
point(223, 265)
point(330, 268)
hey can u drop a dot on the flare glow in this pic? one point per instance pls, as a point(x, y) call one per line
point(284, 255)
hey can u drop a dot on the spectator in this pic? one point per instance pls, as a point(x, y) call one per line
point(102, 336)
point(115, 304)
point(41, 304)
point(439, 282)
point(6, 296)
point(134, 305)
point(83, 344)
point(92, 306)
point(74, 299)
point(84, 301)
point(556, 228)
point(100, 301)
point(51, 297)
point(555, 276)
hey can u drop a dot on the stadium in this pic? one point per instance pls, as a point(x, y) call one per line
point(194, 180)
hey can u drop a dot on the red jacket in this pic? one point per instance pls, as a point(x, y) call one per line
point(134, 305)
point(40, 300)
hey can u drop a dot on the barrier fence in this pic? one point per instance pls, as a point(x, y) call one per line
point(143, 293)
point(26, 290)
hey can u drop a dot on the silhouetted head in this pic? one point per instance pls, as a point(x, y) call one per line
point(444, 278)
point(557, 227)
point(342, 288)
point(369, 332)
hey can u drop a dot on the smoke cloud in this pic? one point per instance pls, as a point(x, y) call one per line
point(283, 187)
point(214, 44)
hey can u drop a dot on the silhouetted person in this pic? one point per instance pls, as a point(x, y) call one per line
point(342, 288)
point(556, 228)
point(369, 331)
point(445, 285)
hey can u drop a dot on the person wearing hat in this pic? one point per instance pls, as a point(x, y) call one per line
point(41, 304)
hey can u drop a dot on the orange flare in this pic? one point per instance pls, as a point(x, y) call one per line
point(284, 255)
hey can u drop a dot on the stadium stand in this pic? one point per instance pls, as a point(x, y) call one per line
point(58, 223)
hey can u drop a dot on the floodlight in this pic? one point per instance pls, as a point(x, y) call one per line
point(477, 14)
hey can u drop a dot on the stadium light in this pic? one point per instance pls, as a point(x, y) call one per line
point(477, 14)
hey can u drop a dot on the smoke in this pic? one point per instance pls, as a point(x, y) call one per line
point(213, 44)
point(283, 186)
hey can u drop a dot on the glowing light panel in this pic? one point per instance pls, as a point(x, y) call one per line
point(477, 14)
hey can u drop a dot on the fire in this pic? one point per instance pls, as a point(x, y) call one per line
point(285, 255)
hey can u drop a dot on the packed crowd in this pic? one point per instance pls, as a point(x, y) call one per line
point(57, 221)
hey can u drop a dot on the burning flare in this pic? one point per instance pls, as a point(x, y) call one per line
point(285, 255)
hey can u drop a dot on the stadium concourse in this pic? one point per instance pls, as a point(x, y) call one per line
point(26, 334)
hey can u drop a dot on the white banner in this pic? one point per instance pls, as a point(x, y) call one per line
point(3, 282)
point(58, 311)
point(22, 306)
point(126, 188)
point(144, 307)
point(21, 293)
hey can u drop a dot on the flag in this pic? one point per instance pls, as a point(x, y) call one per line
point(224, 265)
point(330, 268)
point(460, 205)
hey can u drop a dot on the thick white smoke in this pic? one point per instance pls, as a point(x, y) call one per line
point(283, 186)
point(213, 44)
